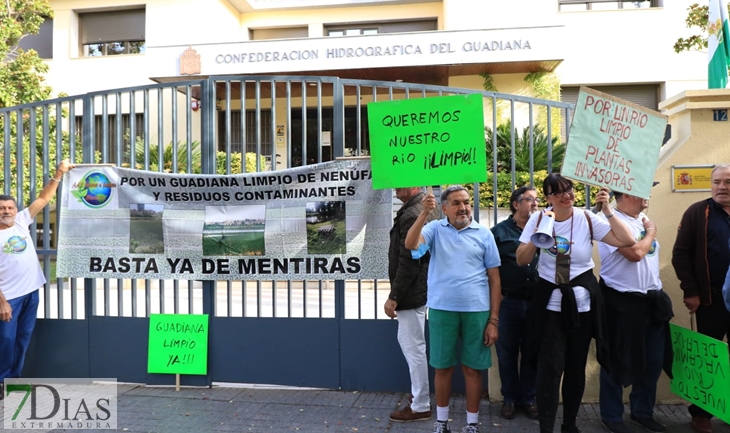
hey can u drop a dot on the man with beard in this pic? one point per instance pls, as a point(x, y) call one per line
point(464, 292)
point(700, 258)
point(20, 276)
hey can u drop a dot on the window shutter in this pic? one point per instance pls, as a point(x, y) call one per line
point(41, 42)
point(112, 26)
point(644, 95)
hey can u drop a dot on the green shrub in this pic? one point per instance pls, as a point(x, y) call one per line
point(181, 156)
point(504, 189)
point(522, 148)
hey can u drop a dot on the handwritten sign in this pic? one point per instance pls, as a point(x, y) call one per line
point(701, 367)
point(178, 344)
point(431, 141)
point(613, 143)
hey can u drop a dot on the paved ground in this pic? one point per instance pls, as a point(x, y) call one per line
point(265, 409)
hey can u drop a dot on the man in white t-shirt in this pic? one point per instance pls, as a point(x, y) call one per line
point(638, 314)
point(20, 276)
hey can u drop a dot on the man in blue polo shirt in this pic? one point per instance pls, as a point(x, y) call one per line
point(464, 292)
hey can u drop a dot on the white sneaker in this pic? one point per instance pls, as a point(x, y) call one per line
point(470, 428)
point(440, 427)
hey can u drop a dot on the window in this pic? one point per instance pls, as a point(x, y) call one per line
point(113, 144)
point(351, 133)
point(352, 32)
point(279, 33)
point(356, 29)
point(112, 32)
point(236, 132)
point(602, 5)
point(42, 42)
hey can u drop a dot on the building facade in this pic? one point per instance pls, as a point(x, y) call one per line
point(620, 47)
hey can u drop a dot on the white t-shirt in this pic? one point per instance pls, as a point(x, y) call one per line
point(623, 275)
point(20, 271)
point(577, 245)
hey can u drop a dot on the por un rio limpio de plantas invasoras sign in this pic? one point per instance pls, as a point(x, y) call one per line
point(613, 143)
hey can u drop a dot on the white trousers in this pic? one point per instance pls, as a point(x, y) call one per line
point(412, 340)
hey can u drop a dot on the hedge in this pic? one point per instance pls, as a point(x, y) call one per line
point(504, 189)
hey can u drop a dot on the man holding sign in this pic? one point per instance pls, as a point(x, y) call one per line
point(637, 328)
point(20, 275)
point(407, 302)
point(464, 293)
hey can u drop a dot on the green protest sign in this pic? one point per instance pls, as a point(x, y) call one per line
point(701, 367)
point(178, 344)
point(427, 141)
point(613, 143)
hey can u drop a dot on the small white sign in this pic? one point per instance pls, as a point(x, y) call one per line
point(326, 138)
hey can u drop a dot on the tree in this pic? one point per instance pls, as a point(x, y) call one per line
point(21, 72)
point(22, 82)
point(696, 17)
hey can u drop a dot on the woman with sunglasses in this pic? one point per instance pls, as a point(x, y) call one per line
point(566, 303)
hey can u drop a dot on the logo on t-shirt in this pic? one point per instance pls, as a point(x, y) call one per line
point(15, 245)
point(652, 250)
point(562, 246)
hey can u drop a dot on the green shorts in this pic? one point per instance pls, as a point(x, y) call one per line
point(447, 327)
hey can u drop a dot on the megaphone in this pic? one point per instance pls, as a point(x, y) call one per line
point(543, 236)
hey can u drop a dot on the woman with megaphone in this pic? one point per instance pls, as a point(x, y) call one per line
point(567, 307)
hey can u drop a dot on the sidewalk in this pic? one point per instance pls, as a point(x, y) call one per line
point(261, 409)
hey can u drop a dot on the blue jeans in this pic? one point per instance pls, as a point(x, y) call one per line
point(15, 335)
point(643, 390)
point(517, 376)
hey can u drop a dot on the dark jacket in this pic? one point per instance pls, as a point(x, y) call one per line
point(689, 256)
point(408, 277)
point(517, 281)
point(569, 313)
point(627, 313)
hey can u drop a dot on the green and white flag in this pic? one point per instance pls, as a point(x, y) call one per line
point(718, 44)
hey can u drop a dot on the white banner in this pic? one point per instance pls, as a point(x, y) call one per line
point(320, 221)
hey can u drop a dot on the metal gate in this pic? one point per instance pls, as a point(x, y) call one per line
point(328, 334)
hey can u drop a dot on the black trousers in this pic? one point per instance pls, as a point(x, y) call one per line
point(562, 354)
point(714, 321)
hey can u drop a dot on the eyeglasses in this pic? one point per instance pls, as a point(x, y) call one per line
point(530, 199)
point(560, 194)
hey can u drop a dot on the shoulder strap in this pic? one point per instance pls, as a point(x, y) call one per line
point(590, 224)
point(539, 218)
